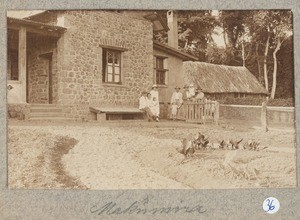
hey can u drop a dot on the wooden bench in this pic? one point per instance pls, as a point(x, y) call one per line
point(116, 113)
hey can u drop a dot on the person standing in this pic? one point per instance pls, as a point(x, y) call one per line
point(176, 102)
point(144, 106)
point(185, 93)
point(190, 92)
point(155, 98)
point(199, 94)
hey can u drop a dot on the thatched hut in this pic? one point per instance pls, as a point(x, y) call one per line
point(220, 81)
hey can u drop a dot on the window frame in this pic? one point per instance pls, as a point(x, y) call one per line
point(161, 69)
point(115, 51)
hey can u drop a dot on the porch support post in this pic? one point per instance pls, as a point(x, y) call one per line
point(22, 62)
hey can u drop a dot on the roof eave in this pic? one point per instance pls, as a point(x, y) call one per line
point(35, 27)
point(37, 14)
point(173, 51)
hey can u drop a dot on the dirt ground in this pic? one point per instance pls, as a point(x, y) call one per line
point(142, 155)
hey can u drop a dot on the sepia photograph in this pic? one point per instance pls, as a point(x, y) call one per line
point(150, 99)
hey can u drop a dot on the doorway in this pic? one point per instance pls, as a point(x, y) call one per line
point(48, 57)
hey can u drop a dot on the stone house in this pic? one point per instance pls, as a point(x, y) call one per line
point(220, 81)
point(61, 63)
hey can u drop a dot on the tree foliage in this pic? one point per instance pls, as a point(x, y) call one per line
point(195, 31)
point(257, 39)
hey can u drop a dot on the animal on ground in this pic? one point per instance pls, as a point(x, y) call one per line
point(224, 144)
point(201, 142)
point(251, 145)
point(188, 145)
point(235, 144)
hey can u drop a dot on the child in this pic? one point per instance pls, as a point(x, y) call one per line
point(176, 102)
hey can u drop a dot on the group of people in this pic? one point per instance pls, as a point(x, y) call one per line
point(149, 101)
point(177, 99)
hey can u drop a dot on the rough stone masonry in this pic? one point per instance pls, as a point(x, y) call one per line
point(78, 60)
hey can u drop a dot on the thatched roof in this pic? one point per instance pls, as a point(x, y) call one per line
point(212, 78)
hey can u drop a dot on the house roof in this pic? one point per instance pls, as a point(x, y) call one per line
point(171, 50)
point(35, 27)
point(23, 13)
point(158, 23)
point(37, 14)
point(212, 78)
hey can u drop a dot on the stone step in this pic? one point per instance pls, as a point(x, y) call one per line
point(46, 114)
point(43, 105)
point(41, 109)
point(51, 119)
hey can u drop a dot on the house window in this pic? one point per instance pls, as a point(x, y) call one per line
point(13, 65)
point(111, 62)
point(160, 71)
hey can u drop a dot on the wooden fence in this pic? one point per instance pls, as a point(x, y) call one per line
point(201, 111)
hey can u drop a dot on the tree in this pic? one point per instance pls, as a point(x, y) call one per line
point(234, 34)
point(195, 31)
point(259, 27)
point(282, 30)
point(252, 39)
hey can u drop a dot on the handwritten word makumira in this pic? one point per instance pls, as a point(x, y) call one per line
point(140, 207)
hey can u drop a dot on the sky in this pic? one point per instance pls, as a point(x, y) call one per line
point(22, 13)
point(218, 37)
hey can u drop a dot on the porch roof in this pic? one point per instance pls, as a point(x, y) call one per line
point(35, 27)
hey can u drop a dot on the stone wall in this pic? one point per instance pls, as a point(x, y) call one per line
point(38, 69)
point(281, 115)
point(18, 111)
point(79, 59)
point(241, 112)
point(78, 112)
point(275, 115)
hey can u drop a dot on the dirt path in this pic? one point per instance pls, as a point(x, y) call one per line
point(135, 155)
point(34, 160)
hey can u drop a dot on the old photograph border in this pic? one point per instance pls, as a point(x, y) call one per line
point(143, 204)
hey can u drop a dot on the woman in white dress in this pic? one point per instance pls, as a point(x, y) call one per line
point(153, 106)
point(155, 98)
